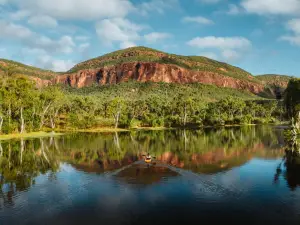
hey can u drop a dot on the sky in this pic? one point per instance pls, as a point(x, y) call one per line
point(260, 36)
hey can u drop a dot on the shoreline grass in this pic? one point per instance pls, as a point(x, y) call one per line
point(59, 132)
point(28, 135)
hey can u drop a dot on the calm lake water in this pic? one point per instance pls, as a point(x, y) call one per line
point(232, 175)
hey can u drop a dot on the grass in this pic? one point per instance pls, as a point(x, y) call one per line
point(28, 135)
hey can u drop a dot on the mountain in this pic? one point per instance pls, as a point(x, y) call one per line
point(144, 64)
point(274, 84)
point(274, 79)
point(42, 77)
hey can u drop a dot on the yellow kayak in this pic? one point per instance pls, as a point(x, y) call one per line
point(148, 160)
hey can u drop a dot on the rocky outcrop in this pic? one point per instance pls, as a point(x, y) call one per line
point(40, 82)
point(154, 72)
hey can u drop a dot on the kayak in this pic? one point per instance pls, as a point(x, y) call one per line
point(148, 160)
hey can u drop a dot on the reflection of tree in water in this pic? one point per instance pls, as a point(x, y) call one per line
point(289, 168)
point(21, 162)
point(209, 150)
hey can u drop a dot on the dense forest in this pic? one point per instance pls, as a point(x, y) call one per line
point(25, 108)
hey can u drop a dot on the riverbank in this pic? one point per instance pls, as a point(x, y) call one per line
point(29, 135)
point(59, 132)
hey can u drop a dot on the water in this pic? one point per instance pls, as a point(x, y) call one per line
point(234, 175)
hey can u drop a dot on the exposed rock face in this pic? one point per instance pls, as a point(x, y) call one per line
point(154, 72)
point(41, 83)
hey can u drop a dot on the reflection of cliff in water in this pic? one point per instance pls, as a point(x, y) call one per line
point(142, 174)
point(206, 151)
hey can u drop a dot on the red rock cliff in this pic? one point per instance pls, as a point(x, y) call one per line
point(154, 72)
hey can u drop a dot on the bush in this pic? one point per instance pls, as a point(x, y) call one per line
point(135, 123)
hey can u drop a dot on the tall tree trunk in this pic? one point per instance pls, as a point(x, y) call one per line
point(52, 120)
point(117, 117)
point(185, 115)
point(1, 123)
point(22, 121)
point(52, 123)
point(9, 117)
point(1, 149)
point(43, 115)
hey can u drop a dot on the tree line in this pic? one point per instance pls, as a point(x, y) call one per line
point(25, 108)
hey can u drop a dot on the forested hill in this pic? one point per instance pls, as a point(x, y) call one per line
point(275, 79)
point(149, 65)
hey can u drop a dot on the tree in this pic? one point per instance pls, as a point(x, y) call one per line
point(115, 108)
point(292, 97)
point(10, 70)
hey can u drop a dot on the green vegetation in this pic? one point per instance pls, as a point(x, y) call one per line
point(24, 108)
point(292, 104)
point(28, 135)
point(271, 78)
point(9, 68)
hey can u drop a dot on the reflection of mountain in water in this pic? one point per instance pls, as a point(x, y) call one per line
point(206, 151)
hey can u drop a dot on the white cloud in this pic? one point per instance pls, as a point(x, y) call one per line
point(234, 10)
point(33, 51)
point(11, 30)
point(43, 21)
point(210, 55)
point(2, 2)
point(34, 40)
point(77, 10)
point(158, 6)
point(84, 47)
point(118, 30)
point(294, 40)
point(220, 42)
point(64, 45)
point(230, 55)
point(230, 48)
point(294, 25)
point(19, 15)
point(264, 7)
point(62, 65)
point(82, 38)
point(127, 44)
point(58, 65)
point(198, 19)
point(156, 36)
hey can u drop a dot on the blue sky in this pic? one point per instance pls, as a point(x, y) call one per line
point(260, 36)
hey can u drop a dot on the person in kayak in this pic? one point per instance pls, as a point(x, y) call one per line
point(148, 158)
